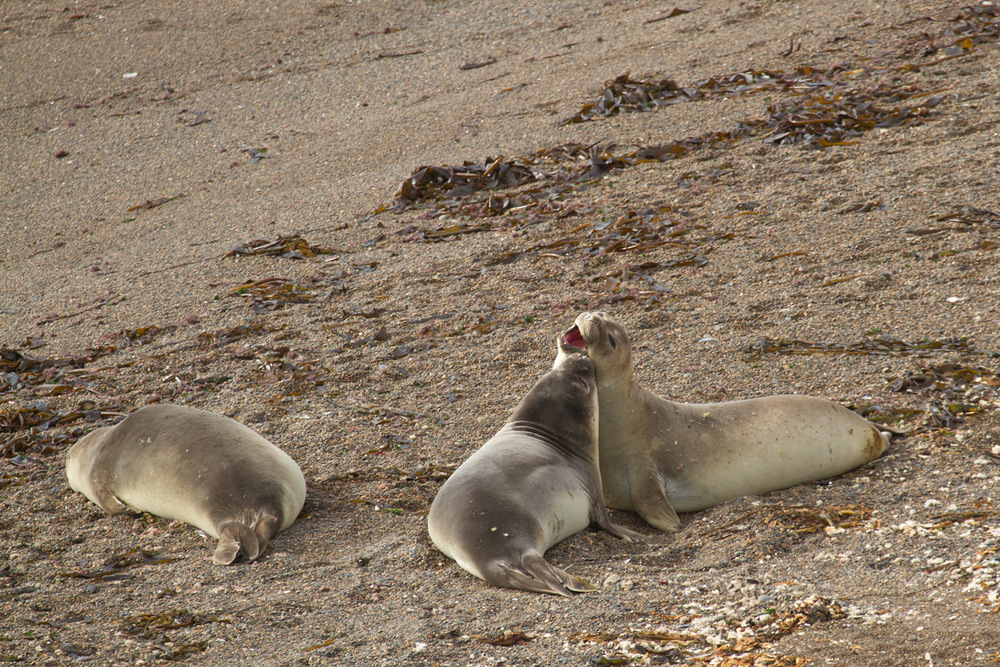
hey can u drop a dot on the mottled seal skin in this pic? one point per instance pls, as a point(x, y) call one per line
point(659, 457)
point(533, 484)
point(195, 466)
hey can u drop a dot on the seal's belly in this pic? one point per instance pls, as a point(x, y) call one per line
point(166, 502)
point(728, 450)
point(569, 513)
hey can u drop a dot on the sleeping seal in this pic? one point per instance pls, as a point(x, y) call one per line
point(659, 457)
point(533, 484)
point(201, 468)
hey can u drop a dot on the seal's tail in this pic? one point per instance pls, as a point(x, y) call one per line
point(537, 575)
point(236, 536)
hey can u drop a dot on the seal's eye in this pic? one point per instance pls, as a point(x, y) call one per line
point(611, 339)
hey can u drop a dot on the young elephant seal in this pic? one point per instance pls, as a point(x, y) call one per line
point(533, 484)
point(201, 468)
point(659, 457)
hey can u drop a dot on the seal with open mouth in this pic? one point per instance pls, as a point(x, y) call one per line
point(659, 457)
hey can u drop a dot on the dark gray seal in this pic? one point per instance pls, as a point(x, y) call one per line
point(195, 466)
point(533, 484)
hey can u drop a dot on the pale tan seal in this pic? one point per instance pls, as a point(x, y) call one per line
point(533, 484)
point(659, 457)
point(201, 468)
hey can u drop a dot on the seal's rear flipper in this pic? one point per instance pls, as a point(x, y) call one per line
point(537, 575)
point(650, 501)
point(264, 528)
point(234, 537)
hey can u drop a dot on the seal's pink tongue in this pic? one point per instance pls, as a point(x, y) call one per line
point(573, 338)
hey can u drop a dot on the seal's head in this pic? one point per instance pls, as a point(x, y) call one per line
point(564, 399)
point(602, 339)
point(80, 460)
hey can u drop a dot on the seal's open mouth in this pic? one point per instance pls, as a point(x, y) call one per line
point(573, 338)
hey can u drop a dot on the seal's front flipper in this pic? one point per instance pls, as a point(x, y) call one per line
point(109, 502)
point(603, 522)
point(537, 575)
point(650, 501)
point(233, 538)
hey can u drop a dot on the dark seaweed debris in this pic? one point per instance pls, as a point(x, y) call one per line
point(289, 247)
point(627, 94)
point(877, 345)
point(273, 293)
point(155, 626)
point(19, 371)
point(827, 108)
point(831, 117)
point(465, 179)
point(29, 428)
point(803, 519)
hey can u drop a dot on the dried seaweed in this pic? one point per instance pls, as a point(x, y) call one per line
point(971, 26)
point(289, 247)
point(949, 380)
point(818, 120)
point(886, 415)
point(873, 346)
point(273, 293)
point(979, 510)
point(974, 25)
point(504, 639)
point(834, 118)
point(802, 519)
point(18, 372)
point(39, 415)
point(676, 11)
point(964, 219)
point(148, 626)
point(239, 332)
point(34, 441)
point(970, 216)
point(627, 94)
point(134, 337)
point(429, 182)
point(955, 391)
point(826, 107)
point(155, 626)
point(153, 203)
point(631, 232)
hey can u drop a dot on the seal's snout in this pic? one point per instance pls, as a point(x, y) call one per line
point(573, 338)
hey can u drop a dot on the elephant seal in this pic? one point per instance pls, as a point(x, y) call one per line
point(533, 484)
point(659, 457)
point(201, 468)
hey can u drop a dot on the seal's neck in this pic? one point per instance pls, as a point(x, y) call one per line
point(616, 380)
